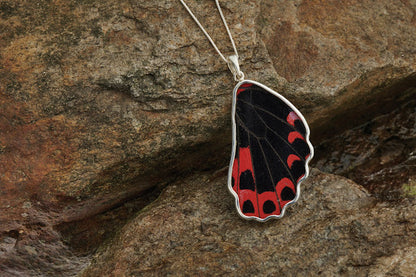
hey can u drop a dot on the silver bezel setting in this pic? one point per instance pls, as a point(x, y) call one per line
point(234, 144)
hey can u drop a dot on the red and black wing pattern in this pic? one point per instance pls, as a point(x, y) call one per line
point(271, 151)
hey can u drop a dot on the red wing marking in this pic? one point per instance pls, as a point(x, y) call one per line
point(291, 159)
point(246, 85)
point(248, 202)
point(245, 160)
point(243, 87)
point(294, 135)
point(292, 116)
point(286, 191)
point(235, 175)
point(268, 204)
point(247, 190)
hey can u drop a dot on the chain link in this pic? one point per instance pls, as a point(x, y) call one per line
point(232, 61)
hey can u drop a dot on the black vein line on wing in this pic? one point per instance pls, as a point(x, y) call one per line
point(274, 150)
point(270, 113)
point(284, 164)
point(261, 90)
point(255, 180)
point(286, 141)
point(270, 174)
point(274, 132)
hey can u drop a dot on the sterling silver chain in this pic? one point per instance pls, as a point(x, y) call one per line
point(232, 61)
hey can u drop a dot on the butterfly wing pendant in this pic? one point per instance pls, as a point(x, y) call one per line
point(270, 152)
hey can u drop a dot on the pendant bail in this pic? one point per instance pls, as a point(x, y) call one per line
point(234, 67)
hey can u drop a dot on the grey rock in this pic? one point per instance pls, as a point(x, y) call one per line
point(336, 228)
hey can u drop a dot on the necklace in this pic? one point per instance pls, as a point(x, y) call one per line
point(270, 143)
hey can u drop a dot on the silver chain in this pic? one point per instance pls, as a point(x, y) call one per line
point(232, 61)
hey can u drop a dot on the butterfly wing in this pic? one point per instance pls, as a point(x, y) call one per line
point(271, 151)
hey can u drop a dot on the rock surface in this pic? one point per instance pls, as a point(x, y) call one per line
point(104, 102)
point(343, 57)
point(379, 155)
point(336, 228)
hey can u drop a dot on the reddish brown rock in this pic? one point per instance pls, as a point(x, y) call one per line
point(101, 101)
point(292, 52)
point(344, 57)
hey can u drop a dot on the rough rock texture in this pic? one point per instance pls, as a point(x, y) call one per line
point(379, 155)
point(193, 229)
point(342, 56)
point(103, 102)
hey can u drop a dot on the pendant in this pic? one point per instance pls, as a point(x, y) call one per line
point(270, 151)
